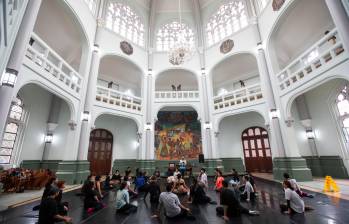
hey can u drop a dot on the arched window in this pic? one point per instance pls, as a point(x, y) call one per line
point(168, 34)
point(11, 131)
point(343, 109)
point(123, 20)
point(228, 19)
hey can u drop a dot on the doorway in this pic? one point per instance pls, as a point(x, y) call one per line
point(100, 151)
point(257, 152)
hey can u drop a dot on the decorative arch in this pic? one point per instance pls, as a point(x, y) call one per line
point(257, 151)
point(229, 18)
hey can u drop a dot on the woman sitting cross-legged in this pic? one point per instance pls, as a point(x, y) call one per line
point(198, 194)
point(123, 200)
point(295, 204)
point(91, 201)
point(180, 187)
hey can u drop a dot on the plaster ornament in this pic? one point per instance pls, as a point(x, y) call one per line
point(72, 124)
point(277, 4)
point(126, 47)
point(226, 46)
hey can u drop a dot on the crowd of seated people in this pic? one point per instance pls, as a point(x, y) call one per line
point(169, 204)
point(20, 179)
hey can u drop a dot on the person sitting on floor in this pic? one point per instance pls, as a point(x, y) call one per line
point(248, 193)
point(198, 194)
point(231, 205)
point(61, 206)
point(98, 186)
point(48, 213)
point(176, 172)
point(219, 181)
point(50, 183)
point(157, 172)
point(172, 206)
point(123, 200)
point(85, 184)
point(153, 189)
point(235, 176)
point(91, 201)
point(127, 180)
point(296, 187)
point(179, 187)
point(295, 204)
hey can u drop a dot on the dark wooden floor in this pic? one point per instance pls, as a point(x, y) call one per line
point(328, 210)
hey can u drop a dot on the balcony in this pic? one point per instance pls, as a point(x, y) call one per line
point(118, 99)
point(324, 54)
point(54, 67)
point(176, 96)
point(237, 98)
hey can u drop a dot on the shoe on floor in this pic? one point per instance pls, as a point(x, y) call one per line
point(253, 212)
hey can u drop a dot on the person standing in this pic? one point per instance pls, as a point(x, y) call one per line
point(248, 193)
point(182, 165)
point(202, 179)
point(219, 181)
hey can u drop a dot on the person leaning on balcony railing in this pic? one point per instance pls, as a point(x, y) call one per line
point(333, 40)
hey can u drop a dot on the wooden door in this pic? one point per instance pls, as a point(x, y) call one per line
point(257, 153)
point(100, 151)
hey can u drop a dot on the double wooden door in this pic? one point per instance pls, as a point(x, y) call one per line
point(257, 153)
point(100, 151)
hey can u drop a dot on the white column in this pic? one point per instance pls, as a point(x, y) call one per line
point(275, 130)
point(88, 107)
point(340, 19)
point(16, 57)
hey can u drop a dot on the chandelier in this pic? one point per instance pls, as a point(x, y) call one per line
point(181, 51)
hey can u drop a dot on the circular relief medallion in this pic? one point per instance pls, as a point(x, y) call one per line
point(226, 46)
point(126, 47)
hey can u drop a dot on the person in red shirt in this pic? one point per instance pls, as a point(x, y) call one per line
point(219, 181)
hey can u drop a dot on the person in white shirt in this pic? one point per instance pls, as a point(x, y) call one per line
point(182, 165)
point(248, 193)
point(175, 174)
point(295, 204)
point(202, 178)
point(296, 187)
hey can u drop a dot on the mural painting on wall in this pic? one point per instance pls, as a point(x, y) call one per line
point(226, 46)
point(177, 134)
point(126, 47)
point(277, 4)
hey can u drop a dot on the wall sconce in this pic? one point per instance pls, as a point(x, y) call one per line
point(48, 138)
point(207, 126)
point(86, 116)
point(9, 78)
point(148, 127)
point(274, 113)
point(259, 46)
point(95, 48)
point(72, 125)
point(310, 134)
point(216, 134)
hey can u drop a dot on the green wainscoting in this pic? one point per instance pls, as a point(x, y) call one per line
point(295, 166)
point(71, 171)
point(230, 163)
point(327, 166)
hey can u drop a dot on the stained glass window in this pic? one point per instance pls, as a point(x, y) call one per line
point(228, 19)
point(123, 20)
point(11, 131)
point(169, 33)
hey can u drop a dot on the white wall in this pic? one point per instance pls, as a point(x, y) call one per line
point(124, 132)
point(230, 130)
point(320, 108)
point(38, 111)
point(302, 140)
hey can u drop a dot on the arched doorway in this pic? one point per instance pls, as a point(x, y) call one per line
point(257, 153)
point(100, 151)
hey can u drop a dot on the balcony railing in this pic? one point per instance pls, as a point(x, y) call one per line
point(238, 97)
point(119, 99)
point(323, 53)
point(176, 95)
point(45, 57)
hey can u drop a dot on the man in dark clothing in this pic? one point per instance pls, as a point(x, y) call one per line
point(231, 204)
point(48, 213)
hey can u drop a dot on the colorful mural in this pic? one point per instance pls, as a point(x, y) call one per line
point(177, 134)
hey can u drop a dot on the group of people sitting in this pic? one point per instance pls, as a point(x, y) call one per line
point(167, 204)
point(20, 179)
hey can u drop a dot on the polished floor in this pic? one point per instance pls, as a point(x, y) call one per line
point(327, 210)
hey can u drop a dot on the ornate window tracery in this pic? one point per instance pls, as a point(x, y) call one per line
point(342, 103)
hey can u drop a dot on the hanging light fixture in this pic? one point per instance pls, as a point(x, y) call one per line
point(181, 50)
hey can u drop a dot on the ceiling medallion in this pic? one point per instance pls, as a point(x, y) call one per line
point(226, 46)
point(277, 4)
point(126, 47)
